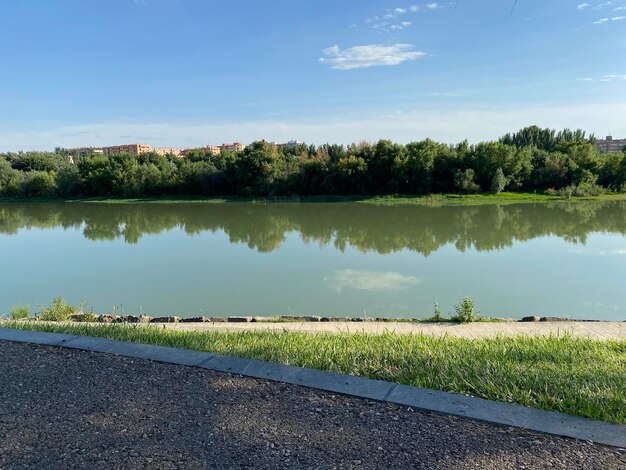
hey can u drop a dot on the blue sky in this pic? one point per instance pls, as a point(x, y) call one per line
point(192, 72)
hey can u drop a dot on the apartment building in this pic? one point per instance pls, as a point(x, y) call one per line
point(168, 151)
point(138, 149)
point(234, 147)
point(215, 150)
point(133, 149)
point(610, 145)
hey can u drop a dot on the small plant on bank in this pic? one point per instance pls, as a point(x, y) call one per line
point(19, 312)
point(58, 311)
point(437, 314)
point(88, 317)
point(466, 311)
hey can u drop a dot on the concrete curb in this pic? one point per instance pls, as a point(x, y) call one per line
point(431, 400)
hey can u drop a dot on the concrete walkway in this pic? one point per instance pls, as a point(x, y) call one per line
point(594, 330)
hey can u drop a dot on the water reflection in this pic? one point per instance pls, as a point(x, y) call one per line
point(369, 280)
point(381, 229)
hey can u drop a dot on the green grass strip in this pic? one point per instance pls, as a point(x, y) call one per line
point(394, 199)
point(570, 375)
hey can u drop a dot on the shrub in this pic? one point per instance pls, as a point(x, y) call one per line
point(499, 182)
point(58, 311)
point(437, 314)
point(19, 312)
point(89, 317)
point(465, 311)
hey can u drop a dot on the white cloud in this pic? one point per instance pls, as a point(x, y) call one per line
point(600, 6)
point(605, 78)
point(615, 77)
point(619, 9)
point(369, 280)
point(605, 20)
point(582, 6)
point(401, 25)
point(369, 56)
point(394, 13)
point(447, 94)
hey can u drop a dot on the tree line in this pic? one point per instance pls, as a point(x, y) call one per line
point(533, 159)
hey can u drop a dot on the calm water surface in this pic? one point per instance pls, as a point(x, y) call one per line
point(325, 259)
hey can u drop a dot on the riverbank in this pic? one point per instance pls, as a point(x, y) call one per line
point(430, 199)
point(574, 375)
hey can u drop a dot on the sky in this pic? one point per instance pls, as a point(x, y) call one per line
point(185, 73)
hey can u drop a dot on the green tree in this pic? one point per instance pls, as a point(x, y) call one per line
point(498, 183)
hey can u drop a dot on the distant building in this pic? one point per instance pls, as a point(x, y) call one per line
point(133, 149)
point(234, 147)
point(138, 149)
point(168, 151)
point(610, 145)
point(291, 143)
point(214, 149)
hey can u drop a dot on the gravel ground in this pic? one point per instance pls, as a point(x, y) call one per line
point(65, 409)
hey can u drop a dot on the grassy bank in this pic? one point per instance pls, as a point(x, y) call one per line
point(431, 199)
point(575, 376)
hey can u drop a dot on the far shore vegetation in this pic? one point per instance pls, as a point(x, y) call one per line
point(570, 375)
point(389, 199)
point(540, 164)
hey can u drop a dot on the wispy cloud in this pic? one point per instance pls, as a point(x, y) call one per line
point(446, 94)
point(371, 55)
point(401, 25)
point(601, 6)
point(606, 20)
point(388, 21)
point(604, 78)
point(369, 280)
point(582, 6)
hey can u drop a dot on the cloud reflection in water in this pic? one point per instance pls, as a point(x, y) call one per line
point(369, 280)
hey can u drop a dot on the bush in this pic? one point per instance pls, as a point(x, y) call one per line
point(58, 311)
point(499, 182)
point(19, 312)
point(465, 311)
point(89, 317)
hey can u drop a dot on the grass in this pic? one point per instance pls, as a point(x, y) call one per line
point(571, 375)
point(397, 199)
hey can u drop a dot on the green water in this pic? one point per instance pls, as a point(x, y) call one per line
point(342, 259)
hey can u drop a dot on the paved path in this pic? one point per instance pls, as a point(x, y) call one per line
point(596, 330)
point(63, 408)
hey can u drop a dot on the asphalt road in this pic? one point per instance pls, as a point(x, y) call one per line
point(65, 409)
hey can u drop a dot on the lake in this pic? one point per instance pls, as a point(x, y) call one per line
point(329, 259)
